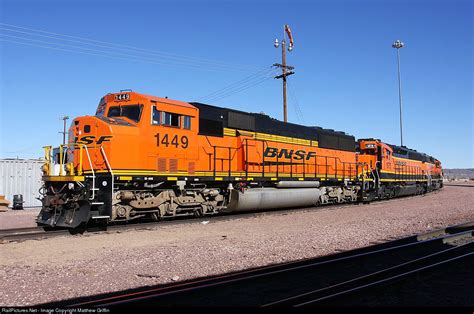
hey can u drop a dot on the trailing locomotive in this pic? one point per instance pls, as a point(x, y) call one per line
point(142, 156)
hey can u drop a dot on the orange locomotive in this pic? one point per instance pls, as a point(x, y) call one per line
point(142, 156)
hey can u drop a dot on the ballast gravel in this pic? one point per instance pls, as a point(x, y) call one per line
point(39, 271)
point(19, 218)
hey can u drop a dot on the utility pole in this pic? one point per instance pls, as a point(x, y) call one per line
point(65, 118)
point(285, 69)
point(398, 44)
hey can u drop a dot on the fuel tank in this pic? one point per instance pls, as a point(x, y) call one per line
point(406, 190)
point(271, 198)
point(297, 184)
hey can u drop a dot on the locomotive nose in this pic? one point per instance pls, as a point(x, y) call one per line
point(89, 139)
point(89, 130)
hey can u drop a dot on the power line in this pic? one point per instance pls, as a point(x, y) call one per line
point(247, 86)
point(299, 113)
point(264, 72)
point(133, 49)
point(107, 55)
point(253, 80)
point(137, 54)
point(239, 86)
point(75, 51)
point(162, 58)
point(108, 44)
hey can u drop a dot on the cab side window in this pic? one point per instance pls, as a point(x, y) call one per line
point(156, 117)
point(170, 119)
point(187, 122)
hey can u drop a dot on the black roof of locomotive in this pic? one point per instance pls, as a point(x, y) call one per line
point(213, 119)
point(405, 152)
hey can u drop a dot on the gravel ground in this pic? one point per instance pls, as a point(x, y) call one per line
point(19, 218)
point(39, 271)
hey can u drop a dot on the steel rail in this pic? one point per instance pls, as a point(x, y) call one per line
point(19, 230)
point(244, 275)
point(28, 233)
point(17, 234)
point(388, 279)
point(23, 234)
point(373, 274)
point(460, 185)
point(31, 233)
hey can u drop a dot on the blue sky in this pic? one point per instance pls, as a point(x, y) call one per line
point(346, 69)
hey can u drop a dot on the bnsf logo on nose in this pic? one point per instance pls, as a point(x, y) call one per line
point(288, 154)
point(89, 139)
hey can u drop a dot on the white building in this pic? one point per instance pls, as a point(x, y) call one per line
point(21, 176)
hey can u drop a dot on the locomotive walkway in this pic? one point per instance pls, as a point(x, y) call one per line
point(340, 279)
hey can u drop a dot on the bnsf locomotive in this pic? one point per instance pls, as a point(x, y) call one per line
point(142, 156)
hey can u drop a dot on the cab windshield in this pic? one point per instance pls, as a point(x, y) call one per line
point(133, 112)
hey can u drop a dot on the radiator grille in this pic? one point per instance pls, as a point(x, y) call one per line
point(173, 165)
point(191, 167)
point(161, 164)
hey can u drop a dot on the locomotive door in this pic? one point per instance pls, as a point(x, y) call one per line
point(379, 157)
point(253, 155)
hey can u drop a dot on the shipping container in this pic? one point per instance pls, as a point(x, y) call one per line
point(21, 176)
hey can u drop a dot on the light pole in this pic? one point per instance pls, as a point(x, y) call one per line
point(283, 66)
point(398, 44)
point(65, 118)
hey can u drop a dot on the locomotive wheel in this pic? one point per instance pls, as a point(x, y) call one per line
point(198, 212)
point(79, 229)
point(155, 217)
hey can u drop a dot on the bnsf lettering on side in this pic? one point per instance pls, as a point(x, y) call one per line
point(89, 139)
point(288, 154)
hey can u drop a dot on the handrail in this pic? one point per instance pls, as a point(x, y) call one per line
point(92, 169)
point(347, 172)
point(48, 150)
point(110, 169)
point(47, 159)
point(61, 160)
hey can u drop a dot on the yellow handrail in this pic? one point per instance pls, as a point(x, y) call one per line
point(47, 160)
point(47, 166)
point(61, 159)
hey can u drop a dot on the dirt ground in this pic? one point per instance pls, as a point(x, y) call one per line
point(38, 271)
point(19, 218)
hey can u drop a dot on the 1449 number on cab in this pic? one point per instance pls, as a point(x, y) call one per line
point(166, 140)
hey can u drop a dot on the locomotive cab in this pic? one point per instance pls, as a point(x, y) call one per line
point(369, 152)
point(130, 133)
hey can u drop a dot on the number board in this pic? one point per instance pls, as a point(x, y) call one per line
point(170, 140)
point(122, 97)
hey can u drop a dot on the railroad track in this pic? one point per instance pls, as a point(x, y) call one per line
point(304, 283)
point(461, 185)
point(329, 295)
point(23, 234)
point(37, 233)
